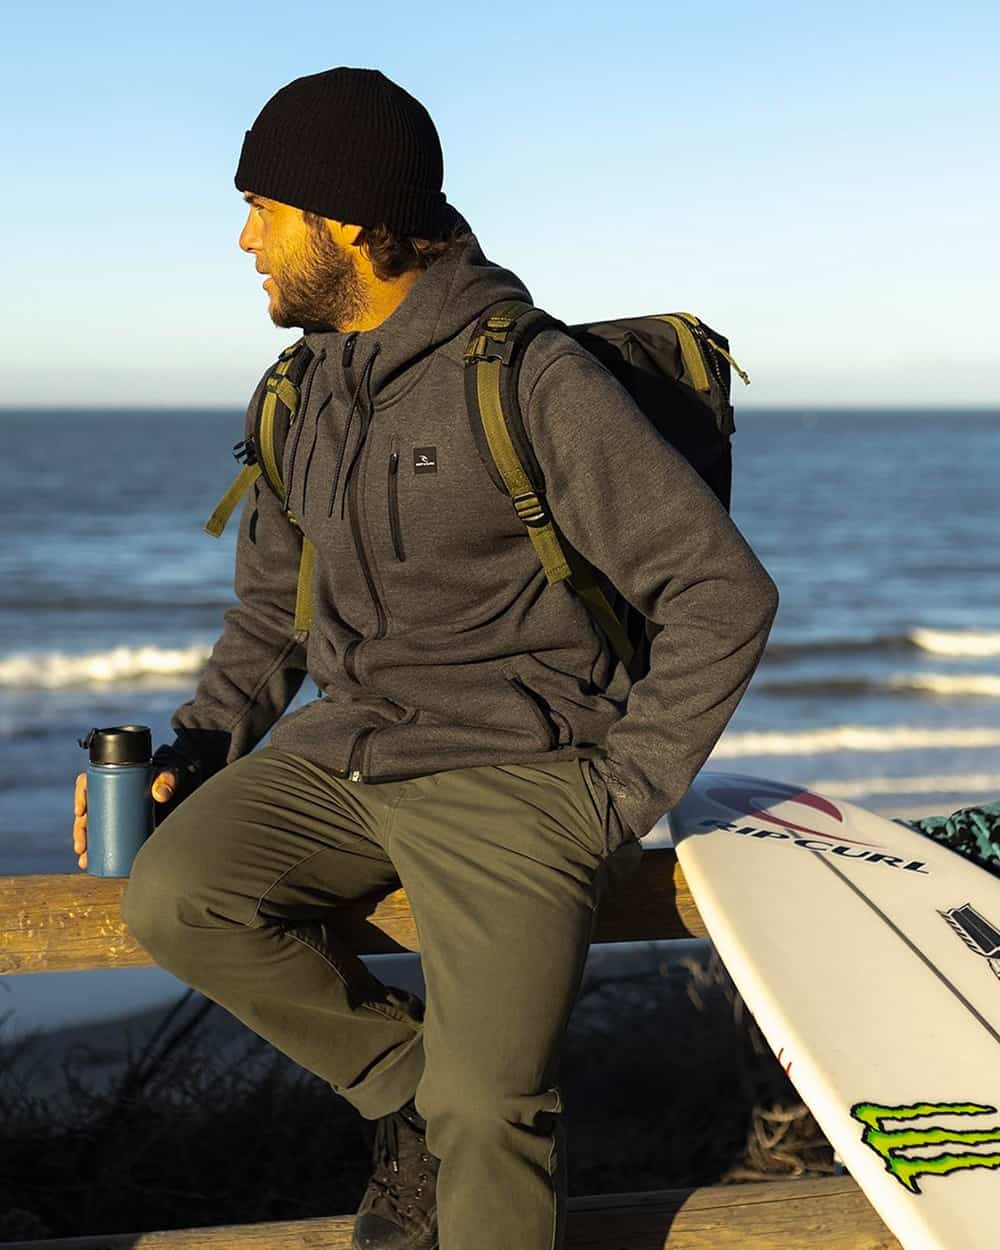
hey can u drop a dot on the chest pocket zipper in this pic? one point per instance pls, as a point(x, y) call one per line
point(394, 525)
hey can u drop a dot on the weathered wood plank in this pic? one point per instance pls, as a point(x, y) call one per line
point(828, 1214)
point(71, 922)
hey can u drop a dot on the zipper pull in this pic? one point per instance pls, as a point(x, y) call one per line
point(744, 376)
point(348, 355)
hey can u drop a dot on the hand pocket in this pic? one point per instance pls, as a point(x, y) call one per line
point(613, 827)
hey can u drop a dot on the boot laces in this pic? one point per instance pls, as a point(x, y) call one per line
point(395, 1190)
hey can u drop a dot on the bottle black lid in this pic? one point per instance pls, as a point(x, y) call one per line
point(121, 744)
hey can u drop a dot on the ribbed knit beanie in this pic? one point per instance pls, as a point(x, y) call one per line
point(351, 145)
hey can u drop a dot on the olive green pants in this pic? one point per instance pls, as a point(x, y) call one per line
point(237, 893)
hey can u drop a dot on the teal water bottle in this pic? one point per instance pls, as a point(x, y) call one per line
point(119, 798)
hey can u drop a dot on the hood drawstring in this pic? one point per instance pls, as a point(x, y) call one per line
point(363, 382)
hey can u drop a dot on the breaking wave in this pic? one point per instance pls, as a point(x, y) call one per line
point(947, 783)
point(956, 643)
point(57, 670)
point(965, 643)
point(867, 738)
point(952, 685)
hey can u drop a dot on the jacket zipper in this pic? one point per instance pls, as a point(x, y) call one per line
point(394, 526)
point(357, 749)
point(354, 509)
point(350, 660)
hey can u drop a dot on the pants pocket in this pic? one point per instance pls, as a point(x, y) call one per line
point(613, 828)
point(599, 798)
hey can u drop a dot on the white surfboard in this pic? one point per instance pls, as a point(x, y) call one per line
point(870, 958)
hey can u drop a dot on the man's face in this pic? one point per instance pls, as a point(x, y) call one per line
point(313, 281)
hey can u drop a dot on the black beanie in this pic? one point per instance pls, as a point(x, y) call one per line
point(351, 145)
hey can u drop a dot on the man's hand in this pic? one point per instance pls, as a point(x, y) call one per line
point(164, 787)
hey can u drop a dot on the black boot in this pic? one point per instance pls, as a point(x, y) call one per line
point(399, 1209)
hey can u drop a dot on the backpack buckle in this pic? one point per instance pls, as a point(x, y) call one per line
point(530, 508)
point(245, 452)
point(489, 347)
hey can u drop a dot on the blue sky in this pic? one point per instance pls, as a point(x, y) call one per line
point(819, 182)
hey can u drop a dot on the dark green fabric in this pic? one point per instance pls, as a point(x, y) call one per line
point(240, 892)
point(971, 831)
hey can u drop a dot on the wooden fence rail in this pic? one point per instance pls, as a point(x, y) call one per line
point(775, 1215)
point(72, 923)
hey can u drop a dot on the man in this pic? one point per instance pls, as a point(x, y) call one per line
point(475, 737)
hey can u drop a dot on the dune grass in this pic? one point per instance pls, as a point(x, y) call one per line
point(666, 1080)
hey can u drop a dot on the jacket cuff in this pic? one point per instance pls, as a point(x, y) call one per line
point(195, 755)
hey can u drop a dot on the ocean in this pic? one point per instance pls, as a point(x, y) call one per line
point(880, 685)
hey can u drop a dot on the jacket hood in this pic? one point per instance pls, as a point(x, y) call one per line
point(442, 303)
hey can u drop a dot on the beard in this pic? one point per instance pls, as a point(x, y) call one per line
point(320, 290)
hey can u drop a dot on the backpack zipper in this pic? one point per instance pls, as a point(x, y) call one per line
point(716, 350)
point(394, 525)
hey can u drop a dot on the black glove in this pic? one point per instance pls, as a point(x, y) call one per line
point(193, 756)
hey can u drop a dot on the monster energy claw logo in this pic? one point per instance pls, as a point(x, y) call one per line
point(889, 1144)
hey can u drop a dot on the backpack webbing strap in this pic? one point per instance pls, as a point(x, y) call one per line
point(585, 584)
point(246, 477)
point(278, 387)
point(691, 355)
point(217, 522)
point(490, 351)
point(303, 593)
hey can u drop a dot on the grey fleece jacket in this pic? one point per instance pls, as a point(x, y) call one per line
point(437, 642)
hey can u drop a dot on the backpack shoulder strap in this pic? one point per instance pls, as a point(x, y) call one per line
point(492, 350)
point(492, 366)
point(261, 454)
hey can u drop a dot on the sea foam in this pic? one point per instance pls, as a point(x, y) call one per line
point(867, 738)
point(944, 783)
point(965, 684)
point(951, 643)
point(56, 670)
point(957, 642)
point(956, 685)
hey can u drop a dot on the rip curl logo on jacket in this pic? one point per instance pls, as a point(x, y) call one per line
point(978, 934)
point(891, 1144)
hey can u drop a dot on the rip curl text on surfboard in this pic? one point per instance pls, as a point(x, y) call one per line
point(825, 846)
